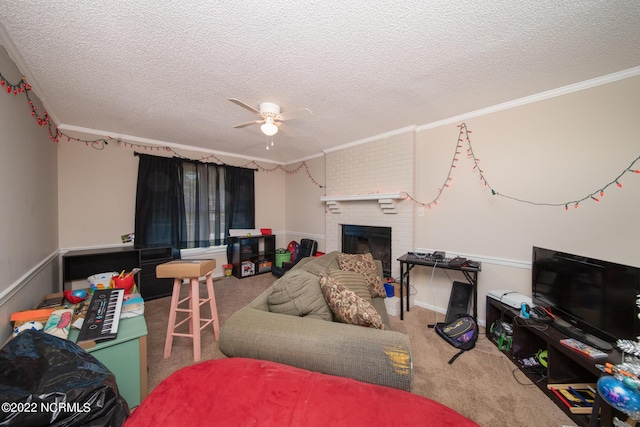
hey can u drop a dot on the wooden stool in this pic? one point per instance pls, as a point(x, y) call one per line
point(192, 270)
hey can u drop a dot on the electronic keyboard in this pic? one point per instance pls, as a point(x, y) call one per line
point(103, 316)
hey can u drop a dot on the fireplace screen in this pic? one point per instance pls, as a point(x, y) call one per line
point(360, 239)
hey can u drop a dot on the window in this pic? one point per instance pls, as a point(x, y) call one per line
point(190, 204)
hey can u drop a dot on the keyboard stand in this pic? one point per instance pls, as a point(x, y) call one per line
point(407, 263)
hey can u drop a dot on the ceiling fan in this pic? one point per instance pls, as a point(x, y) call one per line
point(271, 116)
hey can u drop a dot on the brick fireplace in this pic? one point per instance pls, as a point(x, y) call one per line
point(384, 165)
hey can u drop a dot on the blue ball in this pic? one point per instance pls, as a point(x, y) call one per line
point(80, 293)
point(619, 395)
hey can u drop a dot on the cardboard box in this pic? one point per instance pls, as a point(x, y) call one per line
point(396, 289)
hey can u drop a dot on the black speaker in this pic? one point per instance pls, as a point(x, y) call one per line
point(459, 301)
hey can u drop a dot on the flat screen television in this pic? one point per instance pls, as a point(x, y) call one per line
point(597, 297)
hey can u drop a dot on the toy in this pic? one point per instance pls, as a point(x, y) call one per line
point(59, 323)
point(32, 325)
point(293, 247)
point(622, 394)
point(76, 296)
point(101, 280)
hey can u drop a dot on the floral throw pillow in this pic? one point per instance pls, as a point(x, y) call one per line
point(365, 265)
point(349, 307)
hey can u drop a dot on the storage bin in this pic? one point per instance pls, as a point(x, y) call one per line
point(390, 290)
point(282, 257)
point(264, 266)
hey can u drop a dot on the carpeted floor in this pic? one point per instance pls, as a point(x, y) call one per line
point(482, 384)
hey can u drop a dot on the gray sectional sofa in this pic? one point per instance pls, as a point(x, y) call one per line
point(291, 323)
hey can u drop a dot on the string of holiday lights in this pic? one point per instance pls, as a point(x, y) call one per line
point(99, 144)
point(448, 178)
point(463, 136)
point(256, 165)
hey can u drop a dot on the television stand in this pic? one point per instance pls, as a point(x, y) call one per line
point(564, 365)
point(573, 332)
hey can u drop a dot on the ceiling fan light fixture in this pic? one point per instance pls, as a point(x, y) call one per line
point(269, 128)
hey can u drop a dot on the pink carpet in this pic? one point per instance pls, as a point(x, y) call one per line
point(240, 391)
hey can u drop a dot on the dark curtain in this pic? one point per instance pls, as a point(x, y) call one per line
point(240, 198)
point(159, 216)
point(188, 204)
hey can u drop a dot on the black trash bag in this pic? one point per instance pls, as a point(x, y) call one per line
point(49, 381)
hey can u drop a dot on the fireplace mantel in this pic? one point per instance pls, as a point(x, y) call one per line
point(385, 200)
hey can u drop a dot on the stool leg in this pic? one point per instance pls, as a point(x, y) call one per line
point(191, 324)
point(195, 317)
point(214, 307)
point(175, 297)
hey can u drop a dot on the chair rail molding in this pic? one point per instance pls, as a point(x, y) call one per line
point(387, 201)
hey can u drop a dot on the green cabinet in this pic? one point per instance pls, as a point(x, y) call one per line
point(125, 357)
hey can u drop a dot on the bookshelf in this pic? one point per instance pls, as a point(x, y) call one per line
point(252, 255)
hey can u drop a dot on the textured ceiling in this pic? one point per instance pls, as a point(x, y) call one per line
point(163, 71)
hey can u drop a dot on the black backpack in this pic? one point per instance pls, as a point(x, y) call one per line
point(461, 332)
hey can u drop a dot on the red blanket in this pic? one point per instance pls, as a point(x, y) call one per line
point(240, 391)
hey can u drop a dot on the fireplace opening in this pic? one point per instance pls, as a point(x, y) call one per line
point(361, 239)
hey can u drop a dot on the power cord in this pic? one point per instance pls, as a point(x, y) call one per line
point(433, 294)
point(530, 371)
point(530, 323)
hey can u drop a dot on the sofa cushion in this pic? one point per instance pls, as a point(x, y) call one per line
point(365, 265)
point(349, 307)
point(353, 281)
point(319, 265)
point(298, 293)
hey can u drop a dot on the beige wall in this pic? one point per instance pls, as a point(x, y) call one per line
point(305, 212)
point(98, 191)
point(552, 151)
point(29, 211)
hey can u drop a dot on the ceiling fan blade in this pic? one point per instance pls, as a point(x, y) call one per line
point(303, 112)
point(243, 125)
point(288, 129)
point(243, 105)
